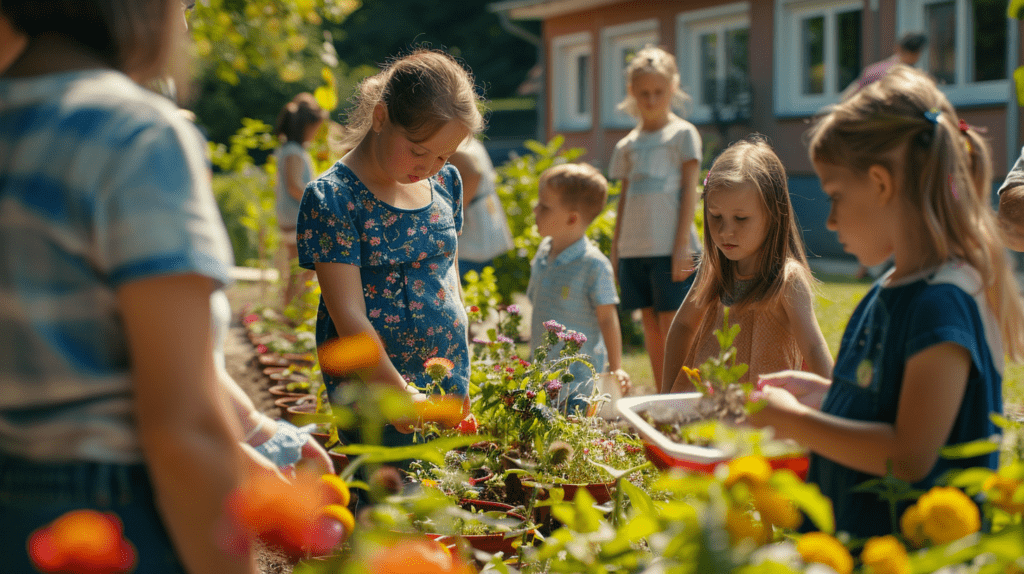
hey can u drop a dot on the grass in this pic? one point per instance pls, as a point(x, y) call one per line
point(836, 299)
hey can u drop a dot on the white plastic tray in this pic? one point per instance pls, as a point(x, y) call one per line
point(676, 405)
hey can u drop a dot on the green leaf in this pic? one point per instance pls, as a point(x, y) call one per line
point(808, 498)
point(1018, 80)
point(642, 502)
point(580, 515)
point(1013, 10)
point(432, 451)
point(969, 449)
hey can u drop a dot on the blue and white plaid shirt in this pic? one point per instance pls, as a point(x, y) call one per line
point(102, 183)
point(569, 290)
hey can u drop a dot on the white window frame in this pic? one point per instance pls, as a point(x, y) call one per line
point(789, 101)
point(565, 51)
point(614, 39)
point(910, 17)
point(690, 26)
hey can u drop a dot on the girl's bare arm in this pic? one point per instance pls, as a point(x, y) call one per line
point(682, 262)
point(933, 387)
point(798, 304)
point(678, 340)
point(184, 424)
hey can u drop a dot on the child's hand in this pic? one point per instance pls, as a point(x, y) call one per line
point(625, 384)
point(407, 425)
point(808, 388)
point(779, 406)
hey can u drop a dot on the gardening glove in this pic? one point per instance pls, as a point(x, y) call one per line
point(285, 447)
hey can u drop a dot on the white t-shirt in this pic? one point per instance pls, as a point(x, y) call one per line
point(652, 163)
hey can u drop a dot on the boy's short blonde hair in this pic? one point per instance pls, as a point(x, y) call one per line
point(580, 187)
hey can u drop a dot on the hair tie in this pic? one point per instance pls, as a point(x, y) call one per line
point(932, 116)
point(964, 126)
point(705, 184)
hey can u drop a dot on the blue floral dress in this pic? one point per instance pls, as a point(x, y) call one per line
point(407, 263)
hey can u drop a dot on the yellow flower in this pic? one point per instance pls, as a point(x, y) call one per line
point(912, 526)
point(753, 470)
point(775, 508)
point(742, 525)
point(1000, 491)
point(824, 549)
point(948, 514)
point(885, 555)
point(692, 374)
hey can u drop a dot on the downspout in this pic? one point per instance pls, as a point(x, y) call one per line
point(524, 34)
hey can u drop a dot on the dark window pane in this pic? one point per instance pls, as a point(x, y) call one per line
point(847, 48)
point(941, 30)
point(709, 68)
point(989, 47)
point(737, 64)
point(812, 40)
point(583, 84)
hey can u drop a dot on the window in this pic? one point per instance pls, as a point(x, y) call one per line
point(619, 45)
point(967, 46)
point(818, 53)
point(572, 82)
point(713, 53)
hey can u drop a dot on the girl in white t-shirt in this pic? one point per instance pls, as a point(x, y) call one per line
point(659, 164)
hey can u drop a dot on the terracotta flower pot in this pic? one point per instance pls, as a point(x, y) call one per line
point(490, 543)
point(304, 413)
point(284, 403)
point(281, 391)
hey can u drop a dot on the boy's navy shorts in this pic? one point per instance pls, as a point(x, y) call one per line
point(647, 282)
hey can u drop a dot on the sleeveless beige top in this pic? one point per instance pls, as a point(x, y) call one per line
point(763, 343)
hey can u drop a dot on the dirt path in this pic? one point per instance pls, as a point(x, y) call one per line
point(240, 357)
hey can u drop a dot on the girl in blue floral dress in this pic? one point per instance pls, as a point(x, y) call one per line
point(380, 228)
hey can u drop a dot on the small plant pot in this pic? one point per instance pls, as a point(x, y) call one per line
point(286, 377)
point(281, 391)
point(490, 543)
point(302, 414)
point(284, 403)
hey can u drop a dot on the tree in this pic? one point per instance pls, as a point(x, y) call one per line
point(380, 29)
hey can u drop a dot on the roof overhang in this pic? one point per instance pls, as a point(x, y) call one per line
point(544, 9)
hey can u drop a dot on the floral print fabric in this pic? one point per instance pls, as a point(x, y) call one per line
point(407, 263)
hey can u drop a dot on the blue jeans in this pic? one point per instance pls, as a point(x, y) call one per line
point(33, 494)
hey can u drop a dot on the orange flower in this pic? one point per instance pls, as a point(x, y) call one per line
point(344, 355)
point(83, 542)
point(742, 525)
point(775, 508)
point(885, 555)
point(417, 555)
point(445, 410)
point(1001, 492)
point(753, 470)
point(824, 549)
point(948, 514)
point(292, 516)
point(438, 368)
point(912, 526)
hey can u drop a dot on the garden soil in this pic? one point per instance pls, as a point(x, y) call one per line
point(240, 357)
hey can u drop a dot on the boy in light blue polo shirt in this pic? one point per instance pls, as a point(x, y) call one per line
point(571, 281)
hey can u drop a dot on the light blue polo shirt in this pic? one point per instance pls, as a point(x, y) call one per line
point(569, 290)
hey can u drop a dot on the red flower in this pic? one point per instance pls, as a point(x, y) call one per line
point(304, 516)
point(82, 542)
point(468, 425)
point(250, 318)
point(261, 348)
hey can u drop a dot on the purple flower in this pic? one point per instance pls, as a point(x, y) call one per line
point(554, 326)
point(573, 337)
point(553, 386)
point(478, 341)
point(503, 339)
point(512, 309)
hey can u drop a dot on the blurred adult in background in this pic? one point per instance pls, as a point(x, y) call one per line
point(113, 244)
point(297, 124)
point(485, 230)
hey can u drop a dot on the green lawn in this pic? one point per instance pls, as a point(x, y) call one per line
point(836, 299)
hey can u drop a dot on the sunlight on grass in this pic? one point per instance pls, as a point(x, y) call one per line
point(836, 298)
